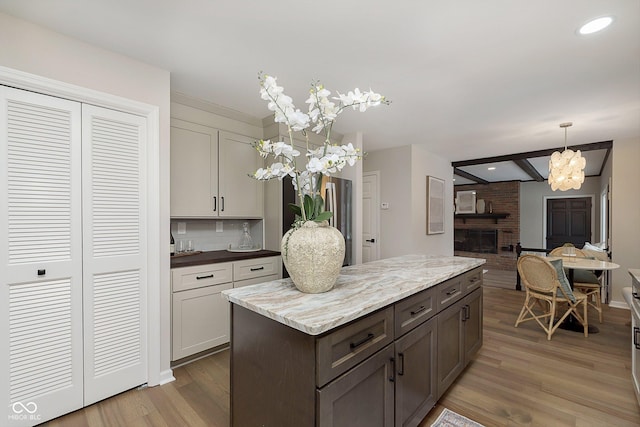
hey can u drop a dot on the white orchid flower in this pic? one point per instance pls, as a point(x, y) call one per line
point(322, 113)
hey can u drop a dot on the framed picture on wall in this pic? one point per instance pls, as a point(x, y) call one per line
point(435, 205)
point(465, 202)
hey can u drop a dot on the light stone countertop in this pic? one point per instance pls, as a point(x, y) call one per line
point(361, 289)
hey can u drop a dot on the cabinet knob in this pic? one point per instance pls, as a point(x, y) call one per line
point(42, 272)
point(371, 240)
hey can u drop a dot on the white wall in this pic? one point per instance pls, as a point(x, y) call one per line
point(395, 188)
point(625, 214)
point(424, 163)
point(403, 177)
point(32, 49)
point(532, 209)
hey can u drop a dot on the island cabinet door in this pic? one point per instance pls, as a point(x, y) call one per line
point(362, 397)
point(472, 317)
point(416, 374)
point(450, 347)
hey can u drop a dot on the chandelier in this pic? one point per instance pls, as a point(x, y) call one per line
point(566, 169)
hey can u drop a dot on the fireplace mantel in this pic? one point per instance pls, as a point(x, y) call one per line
point(494, 216)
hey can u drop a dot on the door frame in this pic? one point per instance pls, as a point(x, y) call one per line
point(156, 257)
point(545, 199)
point(375, 174)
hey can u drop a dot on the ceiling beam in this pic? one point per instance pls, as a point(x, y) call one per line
point(470, 177)
point(540, 153)
point(526, 166)
point(604, 161)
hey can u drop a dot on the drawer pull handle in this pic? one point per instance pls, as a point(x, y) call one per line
point(636, 342)
point(257, 268)
point(419, 310)
point(401, 369)
point(208, 276)
point(357, 344)
point(215, 203)
point(452, 291)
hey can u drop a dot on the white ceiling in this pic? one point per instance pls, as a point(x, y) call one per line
point(467, 78)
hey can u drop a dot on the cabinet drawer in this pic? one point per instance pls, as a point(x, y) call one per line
point(449, 292)
point(414, 310)
point(255, 267)
point(351, 344)
point(200, 276)
point(472, 280)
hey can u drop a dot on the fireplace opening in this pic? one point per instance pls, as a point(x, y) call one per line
point(476, 240)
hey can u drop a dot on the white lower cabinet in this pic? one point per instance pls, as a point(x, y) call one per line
point(200, 320)
point(200, 315)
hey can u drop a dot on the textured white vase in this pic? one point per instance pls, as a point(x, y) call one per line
point(313, 255)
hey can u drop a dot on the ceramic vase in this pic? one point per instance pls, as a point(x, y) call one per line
point(313, 255)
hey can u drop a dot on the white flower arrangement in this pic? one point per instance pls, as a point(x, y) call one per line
point(324, 160)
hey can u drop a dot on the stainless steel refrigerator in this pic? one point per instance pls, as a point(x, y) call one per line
point(337, 194)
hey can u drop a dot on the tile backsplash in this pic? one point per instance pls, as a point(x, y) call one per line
point(203, 234)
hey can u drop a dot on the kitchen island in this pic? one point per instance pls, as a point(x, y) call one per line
point(378, 349)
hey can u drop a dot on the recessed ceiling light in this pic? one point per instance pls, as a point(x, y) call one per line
point(596, 25)
point(491, 168)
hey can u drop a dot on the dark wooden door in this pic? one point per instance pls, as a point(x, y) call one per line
point(568, 221)
point(416, 374)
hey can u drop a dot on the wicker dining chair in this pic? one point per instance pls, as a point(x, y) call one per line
point(585, 281)
point(547, 288)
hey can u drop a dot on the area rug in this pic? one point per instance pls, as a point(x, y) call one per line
point(449, 418)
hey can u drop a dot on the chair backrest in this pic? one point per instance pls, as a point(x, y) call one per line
point(563, 249)
point(538, 274)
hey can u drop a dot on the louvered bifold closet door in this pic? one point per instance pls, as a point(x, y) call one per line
point(114, 212)
point(40, 256)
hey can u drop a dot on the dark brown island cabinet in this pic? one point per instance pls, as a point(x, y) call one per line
point(386, 368)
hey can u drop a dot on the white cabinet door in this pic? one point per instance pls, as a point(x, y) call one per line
point(200, 320)
point(240, 194)
point(194, 175)
point(40, 255)
point(114, 237)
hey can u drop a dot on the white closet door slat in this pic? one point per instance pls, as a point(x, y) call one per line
point(40, 227)
point(115, 252)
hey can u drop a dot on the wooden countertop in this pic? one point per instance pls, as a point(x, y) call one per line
point(212, 257)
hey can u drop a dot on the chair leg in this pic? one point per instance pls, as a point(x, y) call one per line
point(586, 322)
point(598, 304)
point(551, 317)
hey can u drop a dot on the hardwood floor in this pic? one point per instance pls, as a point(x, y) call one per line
point(517, 379)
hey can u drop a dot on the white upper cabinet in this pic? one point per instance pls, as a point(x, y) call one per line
point(194, 177)
point(240, 194)
point(210, 173)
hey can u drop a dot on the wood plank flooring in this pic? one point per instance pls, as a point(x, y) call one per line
point(517, 379)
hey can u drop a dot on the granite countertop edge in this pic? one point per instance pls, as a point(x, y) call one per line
point(360, 290)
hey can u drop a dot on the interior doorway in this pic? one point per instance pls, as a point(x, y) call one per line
point(370, 216)
point(568, 221)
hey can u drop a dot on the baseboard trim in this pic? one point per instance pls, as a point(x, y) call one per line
point(619, 304)
point(166, 377)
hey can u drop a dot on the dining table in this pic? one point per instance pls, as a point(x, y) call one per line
point(572, 263)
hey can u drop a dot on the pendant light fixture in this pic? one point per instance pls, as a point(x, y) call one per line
point(566, 169)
